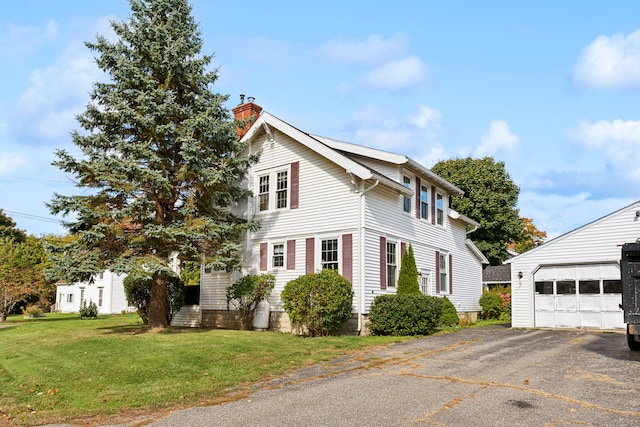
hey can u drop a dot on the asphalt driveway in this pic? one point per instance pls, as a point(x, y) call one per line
point(491, 376)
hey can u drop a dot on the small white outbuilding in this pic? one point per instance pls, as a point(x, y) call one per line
point(573, 281)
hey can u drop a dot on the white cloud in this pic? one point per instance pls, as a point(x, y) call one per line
point(370, 50)
point(11, 162)
point(396, 75)
point(497, 138)
point(414, 135)
point(58, 92)
point(18, 41)
point(426, 117)
point(610, 62)
point(557, 215)
point(618, 141)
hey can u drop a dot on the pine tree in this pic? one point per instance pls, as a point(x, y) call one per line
point(160, 158)
point(408, 278)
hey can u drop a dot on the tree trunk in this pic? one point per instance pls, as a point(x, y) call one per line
point(158, 302)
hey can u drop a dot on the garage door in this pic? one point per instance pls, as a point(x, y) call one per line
point(578, 296)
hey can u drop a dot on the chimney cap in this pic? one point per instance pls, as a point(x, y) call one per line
point(241, 99)
point(250, 99)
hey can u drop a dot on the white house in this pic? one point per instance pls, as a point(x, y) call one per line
point(106, 290)
point(324, 203)
point(574, 279)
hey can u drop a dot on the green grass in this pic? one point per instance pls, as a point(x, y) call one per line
point(60, 368)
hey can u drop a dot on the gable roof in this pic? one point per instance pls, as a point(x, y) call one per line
point(340, 153)
point(497, 274)
point(576, 231)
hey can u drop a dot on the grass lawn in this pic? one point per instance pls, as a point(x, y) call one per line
point(60, 368)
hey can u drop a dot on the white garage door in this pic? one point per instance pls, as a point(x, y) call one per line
point(578, 296)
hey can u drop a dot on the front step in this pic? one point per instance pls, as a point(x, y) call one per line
point(189, 316)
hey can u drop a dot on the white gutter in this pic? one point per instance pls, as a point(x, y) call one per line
point(361, 243)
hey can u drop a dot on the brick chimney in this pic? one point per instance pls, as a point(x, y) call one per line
point(244, 112)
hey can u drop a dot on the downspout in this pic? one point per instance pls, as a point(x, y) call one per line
point(363, 191)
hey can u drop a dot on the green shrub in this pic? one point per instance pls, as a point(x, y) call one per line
point(403, 315)
point(449, 314)
point(137, 288)
point(496, 303)
point(247, 292)
point(88, 311)
point(320, 303)
point(408, 277)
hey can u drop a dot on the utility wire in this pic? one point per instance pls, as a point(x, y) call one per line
point(34, 217)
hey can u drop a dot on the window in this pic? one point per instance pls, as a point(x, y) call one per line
point(424, 202)
point(70, 298)
point(565, 287)
point(81, 297)
point(589, 286)
point(329, 254)
point(444, 276)
point(439, 209)
point(406, 201)
point(544, 288)
point(612, 286)
point(278, 255)
point(270, 197)
point(263, 193)
point(282, 184)
point(392, 264)
point(100, 295)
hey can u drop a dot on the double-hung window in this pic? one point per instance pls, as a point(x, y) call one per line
point(282, 182)
point(424, 202)
point(329, 254)
point(263, 193)
point(278, 255)
point(273, 190)
point(439, 209)
point(392, 264)
point(444, 275)
point(406, 201)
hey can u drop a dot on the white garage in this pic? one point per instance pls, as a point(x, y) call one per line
point(573, 281)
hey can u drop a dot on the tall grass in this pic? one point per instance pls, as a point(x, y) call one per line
point(61, 368)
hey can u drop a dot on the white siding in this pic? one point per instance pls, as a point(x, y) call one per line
point(597, 242)
point(114, 300)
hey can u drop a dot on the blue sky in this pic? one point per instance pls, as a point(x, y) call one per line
point(550, 88)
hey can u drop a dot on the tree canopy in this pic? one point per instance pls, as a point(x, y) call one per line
point(160, 158)
point(22, 265)
point(530, 236)
point(490, 199)
point(8, 228)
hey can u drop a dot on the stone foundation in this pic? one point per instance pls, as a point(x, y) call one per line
point(279, 321)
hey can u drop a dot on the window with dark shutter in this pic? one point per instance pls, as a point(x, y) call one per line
point(437, 272)
point(417, 196)
point(450, 274)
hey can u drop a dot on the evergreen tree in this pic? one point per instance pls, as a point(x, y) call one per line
point(160, 158)
point(408, 278)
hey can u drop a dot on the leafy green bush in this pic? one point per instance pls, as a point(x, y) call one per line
point(137, 288)
point(403, 315)
point(408, 277)
point(496, 303)
point(88, 311)
point(247, 292)
point(320, 303)
point(449, 314)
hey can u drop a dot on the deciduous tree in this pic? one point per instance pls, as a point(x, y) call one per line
point(490, 198)
point(22, 266)
point(530, 237)
point(160, 157)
